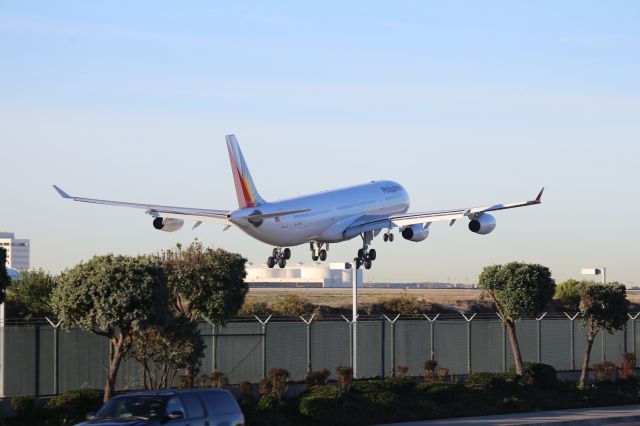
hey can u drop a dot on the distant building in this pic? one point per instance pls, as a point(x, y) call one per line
point(17, 251)
point(301, 275)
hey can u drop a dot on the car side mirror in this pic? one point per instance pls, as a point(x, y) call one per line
point(90, 415)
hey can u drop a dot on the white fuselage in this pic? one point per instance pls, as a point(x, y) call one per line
point(329, 213)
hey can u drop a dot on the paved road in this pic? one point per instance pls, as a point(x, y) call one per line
point(620, 415)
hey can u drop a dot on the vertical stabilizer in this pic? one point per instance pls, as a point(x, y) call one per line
point(245, 188)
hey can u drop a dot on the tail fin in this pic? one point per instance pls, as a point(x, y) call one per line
point(245, 188)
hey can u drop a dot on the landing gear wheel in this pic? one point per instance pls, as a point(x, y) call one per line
point(314, 257)
point(385, 237)
point(361, 253)
point(390, 237)
point(282, 262)
point(287, 253)
point(358, 263)
point(367, 264)
point(323, 255)
point(275, 253)
point(372, 255)
point(271, 262)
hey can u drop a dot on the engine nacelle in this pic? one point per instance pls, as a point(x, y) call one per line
point(483, 224)
point(167, 224)
point(416, 232)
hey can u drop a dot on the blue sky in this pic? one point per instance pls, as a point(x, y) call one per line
point(464, 103)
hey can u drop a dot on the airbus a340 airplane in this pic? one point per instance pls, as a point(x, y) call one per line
point(318, 219)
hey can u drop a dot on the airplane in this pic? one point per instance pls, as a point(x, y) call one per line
point(318, 219)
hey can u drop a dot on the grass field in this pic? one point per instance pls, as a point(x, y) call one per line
point(336, 297)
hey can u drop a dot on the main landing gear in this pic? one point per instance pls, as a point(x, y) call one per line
point(279, 256)
point(317, 252)
point(365, 256)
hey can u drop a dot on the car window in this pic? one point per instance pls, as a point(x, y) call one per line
point(174, 404)
point(195, 410)
point(150, 407)
point(220, 402)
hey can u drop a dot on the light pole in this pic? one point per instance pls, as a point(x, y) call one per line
point(595, 271)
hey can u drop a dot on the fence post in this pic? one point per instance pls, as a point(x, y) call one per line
point(37, 357)
point(264, 344)
point(393, 343)
point(469, 370)
point(431, 340)
point(352, 348)
point(538, 322)
point(308, 325)
point(214, 348)
point(633, 332)
point(56, 374)
point(573, 358)
point(504, 343)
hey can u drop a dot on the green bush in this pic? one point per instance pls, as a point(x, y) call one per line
point(318, 401)
point(537, 374)
point(23, 405)
point(440, 392)
point(400, 386)
point(267, 402)
point(486, 381)
point(72, 406)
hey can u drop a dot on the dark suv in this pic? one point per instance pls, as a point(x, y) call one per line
point(175, 407)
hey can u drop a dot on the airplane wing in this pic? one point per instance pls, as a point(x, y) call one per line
point(185, 213)
point(404, 219)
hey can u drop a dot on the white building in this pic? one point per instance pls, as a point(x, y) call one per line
point(17, 251)
point(300, 274)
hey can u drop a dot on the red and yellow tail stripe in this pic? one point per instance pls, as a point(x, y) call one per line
point(245, 188)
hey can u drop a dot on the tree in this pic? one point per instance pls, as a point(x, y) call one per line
point(519, 290)
point(603, 307)
point(568, 294)
point(161, 351)
point(4, 277)
point(114, 297)
point(31, 295)
point(205, 283)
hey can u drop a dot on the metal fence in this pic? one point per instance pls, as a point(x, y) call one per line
point(42, 360)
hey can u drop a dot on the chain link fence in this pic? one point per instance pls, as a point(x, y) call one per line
point(42, 359)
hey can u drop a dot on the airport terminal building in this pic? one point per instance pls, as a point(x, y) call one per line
point(336, 275)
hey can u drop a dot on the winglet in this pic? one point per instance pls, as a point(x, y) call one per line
point(539, 197)
point(61, 192)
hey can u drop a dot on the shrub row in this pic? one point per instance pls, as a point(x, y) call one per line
point(402, 399)
point(62, 410)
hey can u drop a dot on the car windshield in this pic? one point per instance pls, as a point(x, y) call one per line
point(149, 407)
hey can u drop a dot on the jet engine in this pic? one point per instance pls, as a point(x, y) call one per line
point(416, 232)
point(167, 224)
point(482, 224)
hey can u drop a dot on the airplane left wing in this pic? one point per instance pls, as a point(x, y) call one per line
point(405, 219)
point(185, 213)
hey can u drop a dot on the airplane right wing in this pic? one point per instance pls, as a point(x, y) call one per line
point(184, 213)
point(405, 219)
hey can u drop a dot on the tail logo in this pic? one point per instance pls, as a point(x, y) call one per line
point(245, 188)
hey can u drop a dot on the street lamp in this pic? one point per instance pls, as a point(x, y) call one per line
point(595, 271)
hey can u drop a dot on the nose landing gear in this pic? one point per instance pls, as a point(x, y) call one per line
point(279, 257)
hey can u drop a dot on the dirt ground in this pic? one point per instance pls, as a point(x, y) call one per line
point(335, 297)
